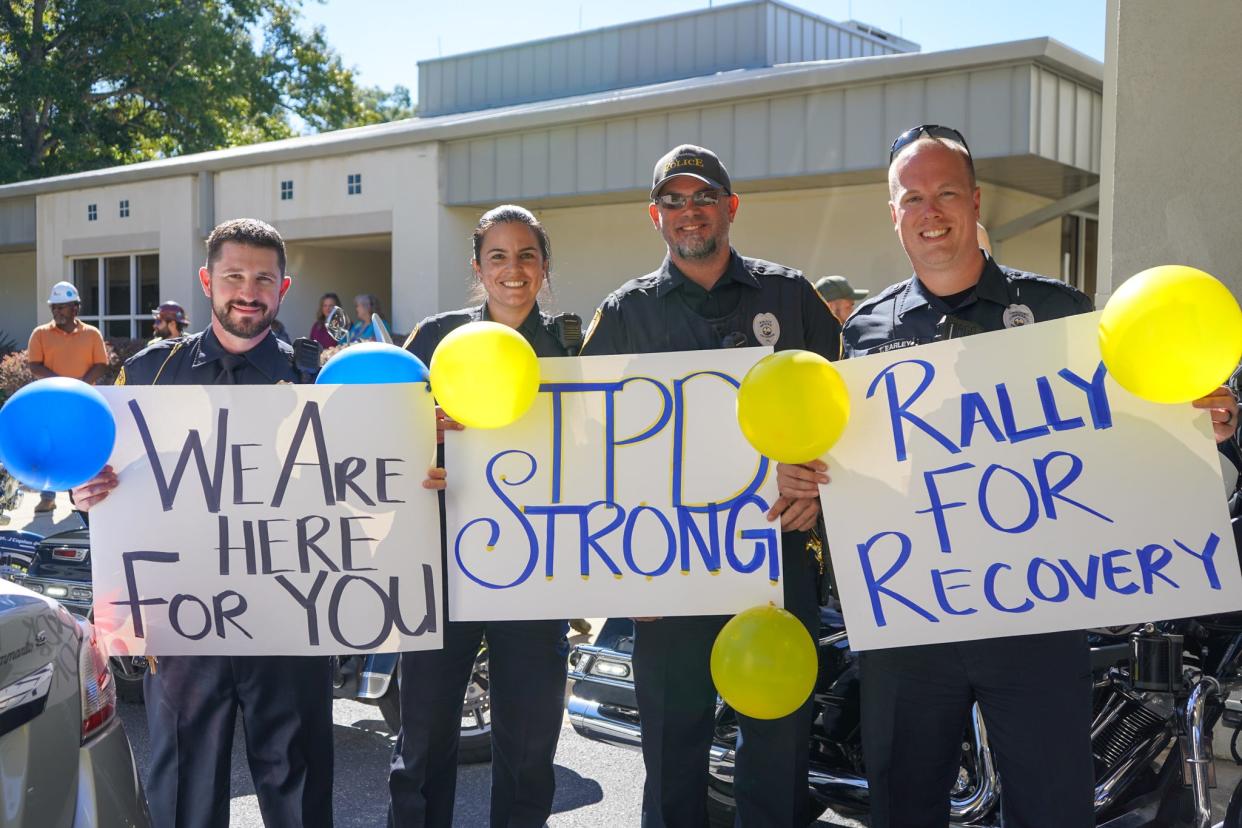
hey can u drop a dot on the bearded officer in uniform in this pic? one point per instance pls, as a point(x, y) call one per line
point(192, 701)
point(705, 295)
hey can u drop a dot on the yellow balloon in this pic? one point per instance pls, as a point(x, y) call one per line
point(764, 663)
point(792, 406)
point(484, 375)
point(1171, 334)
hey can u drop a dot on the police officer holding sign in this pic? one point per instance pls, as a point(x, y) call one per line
point(705, 296)
point(192, 701)
point(526, 659)
point(1034, 690)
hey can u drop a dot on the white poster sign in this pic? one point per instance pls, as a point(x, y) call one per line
point(1004, 484)
point(268, 520)
point(627, 489)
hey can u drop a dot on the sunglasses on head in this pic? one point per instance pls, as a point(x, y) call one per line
point(913, 134)
point(676, 201)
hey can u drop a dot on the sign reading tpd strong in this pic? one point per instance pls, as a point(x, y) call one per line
point(628, 489)
point(1004, 484)
point(255, 520)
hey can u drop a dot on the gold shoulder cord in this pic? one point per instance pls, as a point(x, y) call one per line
point(164, 364)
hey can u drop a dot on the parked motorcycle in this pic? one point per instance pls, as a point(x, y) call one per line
point(374, 679)
point(1158, 694)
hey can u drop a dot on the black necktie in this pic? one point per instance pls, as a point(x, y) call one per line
point(229, 363)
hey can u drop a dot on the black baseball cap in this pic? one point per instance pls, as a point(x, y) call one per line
point(693, 161)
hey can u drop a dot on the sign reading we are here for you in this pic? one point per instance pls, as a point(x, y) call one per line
point(1003, 484)
point(627, 489)
point(257, 520)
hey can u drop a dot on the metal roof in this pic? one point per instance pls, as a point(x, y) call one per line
point(747, 35)
point(750, 83)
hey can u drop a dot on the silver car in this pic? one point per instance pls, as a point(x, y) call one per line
point(64, 757)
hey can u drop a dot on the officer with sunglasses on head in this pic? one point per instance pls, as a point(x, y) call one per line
point(1034, 690)
point(704, 295)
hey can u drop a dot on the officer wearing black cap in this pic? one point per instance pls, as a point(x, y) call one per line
point(526, 659)
point(193, 701)
point(705, 295)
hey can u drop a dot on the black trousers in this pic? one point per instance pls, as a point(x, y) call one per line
point(286, 707)
point(526, 664)
point(677, 704)
point(1035, 695)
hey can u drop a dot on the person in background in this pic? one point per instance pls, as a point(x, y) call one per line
point(840, 296)
point(65, 347)
point(985, 241)
point(319, 330)
point(526, 659)
point(363, 330)
point(170, 321)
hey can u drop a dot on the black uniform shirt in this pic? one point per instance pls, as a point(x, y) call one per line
point(196, 359)
point(753, 303)
point(536, 329)
point(907, 314)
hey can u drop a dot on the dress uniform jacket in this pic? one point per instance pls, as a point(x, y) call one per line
point(526, 668)
point(753, 303)
point(192, 701)
point(1034, 690)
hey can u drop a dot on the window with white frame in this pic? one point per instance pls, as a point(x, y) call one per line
point(119, 292)
point(286, 190)
point(1080, 235)
point(92, 212)
point(354, 184)
point(124, 208)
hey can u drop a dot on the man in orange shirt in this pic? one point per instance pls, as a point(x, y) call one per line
point(65, 347)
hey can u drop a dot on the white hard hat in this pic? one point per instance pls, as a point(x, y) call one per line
point(63, 292)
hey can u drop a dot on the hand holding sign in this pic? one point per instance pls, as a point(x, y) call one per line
point(56, 433)
point(792, 406)
point(1171, 334)
point(485, 375)
point(764, 663)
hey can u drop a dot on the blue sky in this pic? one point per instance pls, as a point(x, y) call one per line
point(385, 39)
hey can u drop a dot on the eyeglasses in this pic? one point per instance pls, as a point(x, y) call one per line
point(676, 201)
point(913, 134)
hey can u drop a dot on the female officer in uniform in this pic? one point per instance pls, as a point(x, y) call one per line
point(526, 658)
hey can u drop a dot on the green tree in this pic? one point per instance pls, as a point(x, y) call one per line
point(93, 83)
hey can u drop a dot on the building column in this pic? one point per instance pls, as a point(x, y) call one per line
point(1170, 155)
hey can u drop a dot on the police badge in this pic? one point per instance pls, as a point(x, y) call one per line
point(767, 329)
point(1015, 316)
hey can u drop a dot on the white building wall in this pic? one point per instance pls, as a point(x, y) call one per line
point(21, 309)
point(400, 196)
point(161, 219)
point(1169, 185)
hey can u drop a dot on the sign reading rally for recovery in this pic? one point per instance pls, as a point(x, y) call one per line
point(1004, 484)
point(627, 489)
point(268, 520)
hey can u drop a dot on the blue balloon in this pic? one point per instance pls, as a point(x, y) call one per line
point(56, 433)
point(372, 363)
